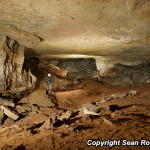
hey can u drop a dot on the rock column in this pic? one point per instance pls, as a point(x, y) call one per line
point(12, 78)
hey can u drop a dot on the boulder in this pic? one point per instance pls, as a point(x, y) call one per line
point(24, 100)
point(57, 71)
point(132, 92)
point(71, 99)
point(23, 109)
point(40, 98)
point(64, 116)
point(47, 125)
point(118, 95)
point(108, 122)
point(6, 102)
point(102, 100)
point(87, 112)
point(91, 107)
point(8, 112)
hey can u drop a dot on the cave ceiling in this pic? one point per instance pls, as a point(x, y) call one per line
point(117, 28)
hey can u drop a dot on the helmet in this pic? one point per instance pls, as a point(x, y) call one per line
point(49, 74)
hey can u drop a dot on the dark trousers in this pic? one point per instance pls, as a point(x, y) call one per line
point(48, 89)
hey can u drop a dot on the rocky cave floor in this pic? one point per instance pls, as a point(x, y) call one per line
point(89, 110)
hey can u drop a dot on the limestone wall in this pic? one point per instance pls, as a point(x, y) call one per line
point(12, 78)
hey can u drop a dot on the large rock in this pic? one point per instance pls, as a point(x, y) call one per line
point(71, 99)
point(6, 102)
point(57, 71)
point(39, 98)
point(10, 113)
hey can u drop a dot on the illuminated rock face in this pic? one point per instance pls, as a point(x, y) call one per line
point(109, 72)
point(92, 27)
point(123, 75)
point(117, 30)
point(12, 78)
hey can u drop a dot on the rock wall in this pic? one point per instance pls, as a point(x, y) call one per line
point(12, 78)
point(77, 68)
point(107, 71)
point(123, 73)
point(105, 64)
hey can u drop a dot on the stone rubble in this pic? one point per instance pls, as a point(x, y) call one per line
point(64, 116)
point(87, 112)
point(27, 108)
point(6, 102)
point(23, 109)
point(9, 113)
point(108, 122)
point(38, 98)
point(116, 96)
point(132, 92)
point(47, 125)
point(14, 127)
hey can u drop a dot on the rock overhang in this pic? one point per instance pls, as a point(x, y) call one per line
point(95, 27)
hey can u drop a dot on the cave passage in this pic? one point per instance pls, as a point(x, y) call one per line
point(74, 74)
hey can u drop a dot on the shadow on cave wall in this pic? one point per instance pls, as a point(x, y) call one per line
point(32, 64)
point(29, 53)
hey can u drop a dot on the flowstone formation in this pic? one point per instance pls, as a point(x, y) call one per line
point(12, 78)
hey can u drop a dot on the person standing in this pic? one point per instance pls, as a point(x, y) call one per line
point(49, 85)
